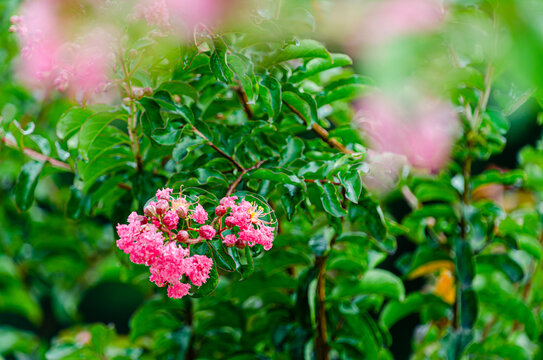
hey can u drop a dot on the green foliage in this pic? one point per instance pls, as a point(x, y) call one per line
point(268, 117)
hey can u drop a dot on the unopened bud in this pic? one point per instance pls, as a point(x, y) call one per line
point(182, 236)
point(147, 91)
point(220, 210)
point(142, 219)
point(207, 232)
point(150, 210)
point(137, 92)
point(127, 101)
point(176, 99)
point(162, 206)
point(181, 212)
point(241, 243)
point(229, 222)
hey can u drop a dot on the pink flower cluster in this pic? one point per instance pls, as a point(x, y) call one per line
point(49, 59)
point(156, 239)
point(245, 219)
point(161, 238)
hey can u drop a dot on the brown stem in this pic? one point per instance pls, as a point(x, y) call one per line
point(223, 154)
point(244, 102)
point(321, 342)
point(38, 156)
point(321, 132)
point(132, 119)
point(322, 181)
point(236, 182)
point(322, 347)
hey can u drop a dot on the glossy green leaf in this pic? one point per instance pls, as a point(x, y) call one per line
point(26, 184)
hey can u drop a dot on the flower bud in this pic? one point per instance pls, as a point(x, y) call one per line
point(147, 91)
point(162, 206)
point(137, 92)
point(241, 243)
point(127, 101)
point(181, 212)
point(142, 219)
point(150, 210)
point(207, 232)
point(182, 236)
point(220, 210)
point(229, 222)
point(176, 99)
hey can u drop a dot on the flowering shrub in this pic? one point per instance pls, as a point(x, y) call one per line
point(365, 177)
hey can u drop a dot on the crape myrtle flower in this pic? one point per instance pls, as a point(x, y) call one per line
point(162, 236)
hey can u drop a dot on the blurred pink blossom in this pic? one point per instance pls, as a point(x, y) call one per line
point(179, 16)
point(50, 59)
point(41, 41)
point(384, 20)
point(422, 130)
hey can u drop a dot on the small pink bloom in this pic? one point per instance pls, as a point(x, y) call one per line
point(229, 201)
point(177, 290)
point(171, 220)
point(198, 270)
point(163, 194)
point(230, 240)
point(199, 214)
point(423, 130)
point(207, 232)
point(170, 264)
point(147, 247)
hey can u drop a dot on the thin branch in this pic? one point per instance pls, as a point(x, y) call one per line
point(236, 182)
point(38, 156)
point(132, 120)
point(244, 101)
point(320, 131)
point(225, 155)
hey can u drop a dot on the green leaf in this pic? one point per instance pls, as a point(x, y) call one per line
point(300, 50)
point(292, 151)
point(352, 182)
point(503, 263)
point(331, 199)
point(91, 129)
point(219, 67)
point(179, 88)
point(468, 308)
point(465, 267)
point(394, 311)
point(70, 122)
point(279, 175)
point(375, 281)
point(507, 305)
point(493, 176)
point(270, 94)
point(344, 89)
point(315, 66)
point(304, 104)
point(26, 184)
point(154, 315)
point(531, 245)
point(223, 260)
point(435, 191)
